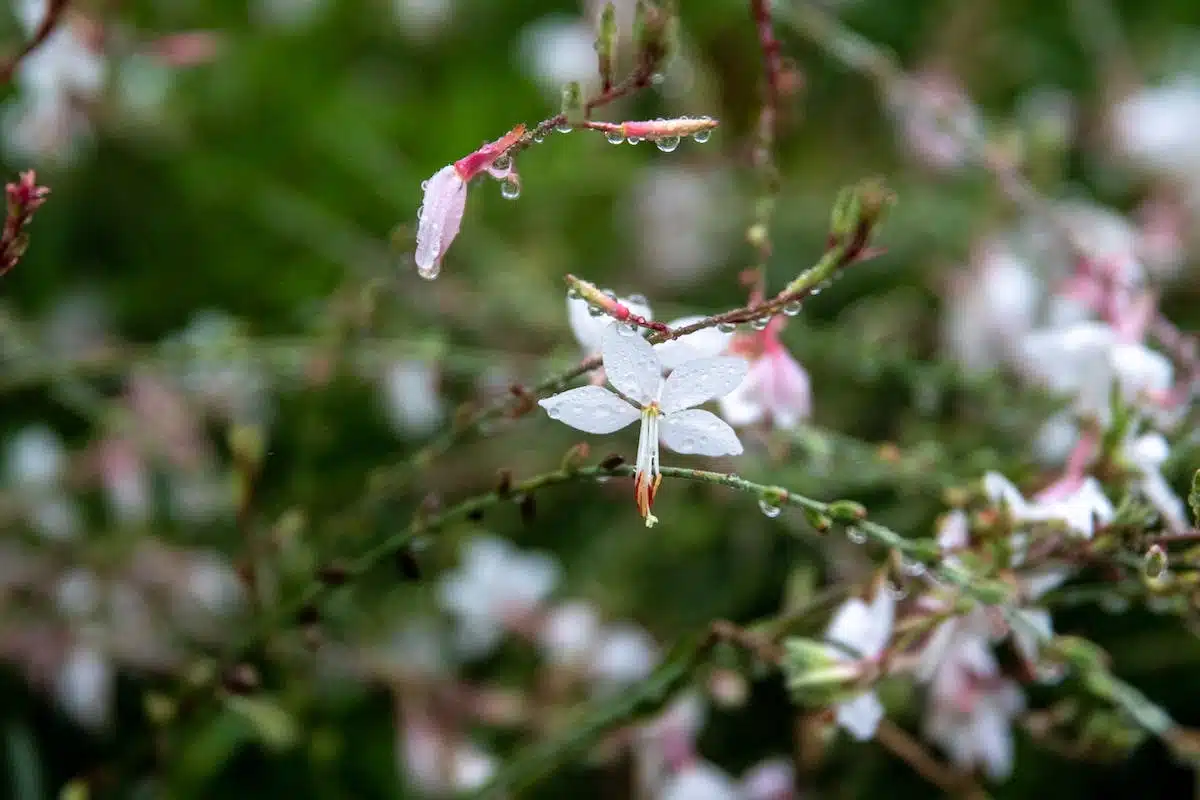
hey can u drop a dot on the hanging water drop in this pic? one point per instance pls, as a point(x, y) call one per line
point(761, 323)
point(563, 128)
point(855, 536)
point(635, 140)
point(726, 327)
point(667, 143)
point(700, 137)
point(769, 509)
point(430, 272)
point(539, 137)
point(657, 78)
point(424, 185)
point(503, 163)
point(510, 189)
point(897, 591)
point(792, 309)
point(615, 137)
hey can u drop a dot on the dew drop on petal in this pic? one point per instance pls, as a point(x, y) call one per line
point(503, 163)
point(667, 143)
point(657, 78)
point(615, 137)
point(856, 536)
point(424, 185)
point(510, 189)
point(627, 329)
point(700, 137)
point(769, 509)
point(792, 309)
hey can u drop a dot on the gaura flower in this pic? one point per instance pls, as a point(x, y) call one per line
point(441, 212)
point(862, 631)
point(666, 407)
point(776, 387)
point(589, 332)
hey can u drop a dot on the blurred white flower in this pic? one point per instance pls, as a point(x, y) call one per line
point(557, 49)
point(1084, 359)
point(624, 655)
point(569, 632)
point(35, 463)
point(1082, 509)
point(990, 307)
point(776, 388)
point(971, 708)
point(413, 401)
point(680, 215)
point(84, 687)
point(700, 780)
point(45, 120)
point(437, 763)
point(938, 123)
point(861, 632)
point(126, 481)
point(1146, 454)
point(494, 587)
point(773, 779)
point(1155, 127)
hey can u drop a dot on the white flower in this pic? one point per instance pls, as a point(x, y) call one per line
point(439, 764)
point(700, 781)
point(35, 464)
point(84, 686)
point(1146, 454)
point(589, 328)
point(666, 407)
point(1156, 127)
point(862, 631)
point(494, 586)
point(558, 49)
point(990, 309)
point(1081, 510)
point(972, 706)
point(1083, 360)
point(624, 655)
point(773, 779)
point(776, 387)
point(569, 632)
point(704, 343)
point(412, 398)
point(682, 226)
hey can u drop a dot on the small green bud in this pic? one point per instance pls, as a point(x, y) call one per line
point(993, 593)
point(575, 457)
point(572, 104)
point(247, 444)
point(927, 551)
point(606, 44)
point(820, 522)
point(847, 511)
point(817, 674)
point(1194, 497)
point(1080, 653)
point(1155, 562)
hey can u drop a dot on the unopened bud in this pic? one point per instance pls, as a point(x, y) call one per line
point(847, 511)
point(575, 457)
point(572, 103)
point(1155, 562)
point(654, 33)
point(816, 673)
point(820, 522)
point(606, 44)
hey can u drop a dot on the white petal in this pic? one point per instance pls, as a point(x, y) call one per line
point(1031, 626)
point(1149, 452)
point(993, 741)
point(592, 409)
point(744, 405)
point(1001, 491)
point(703, 379)
point(883, 613)
point(701, 344)
point(851, 626)
point(588, 329)
point(632, 367)
point(697, 432)
point(1141, 370)
point(954, 531)
point(860, 716)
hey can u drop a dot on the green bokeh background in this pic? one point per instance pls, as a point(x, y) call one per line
point(273, 184)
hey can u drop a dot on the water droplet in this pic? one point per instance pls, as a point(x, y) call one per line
point(615, 137)
point(563, 128)
point(539, 137)
point(700, 137)
point(554, 412)
point(627, 329)
point(603, 478)
point(595, 311)
point(430, 272)
point(573, 294)
point(638, 299)
point(510, 189)
point(424, 185)
point(503, 163)
point(913, 568)
point(657, 78)
point(726, 327)
point(635, 140)
point(609, 293)
point(667, 143)
point(792, 309)
point(769, 509)
point(855, 536)
point(896, 590)
point(761, 323)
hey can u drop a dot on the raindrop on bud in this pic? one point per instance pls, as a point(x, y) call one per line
point(700, 137)
point(430, 272)
point(635, 140)
point(792, 309)
point(769, 509)
point(667, 143)
point(563, 128)
point(539, 137)
point(856, 536)
point(726, 327)
point(615, 137)
point(510, 189)
point(503, 163)
point(761, 323)
point(657, 78)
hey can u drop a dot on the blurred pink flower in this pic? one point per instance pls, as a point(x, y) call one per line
point(776, 387)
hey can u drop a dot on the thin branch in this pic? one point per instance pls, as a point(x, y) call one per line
point(54, 14)
point(910, 751)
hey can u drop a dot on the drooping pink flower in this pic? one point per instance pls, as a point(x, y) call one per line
point(776, 388)
point(440, 216)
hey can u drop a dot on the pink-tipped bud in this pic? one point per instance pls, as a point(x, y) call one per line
point(669, 130)
point(439, 219)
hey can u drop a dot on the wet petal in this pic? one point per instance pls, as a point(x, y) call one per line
point(701, 344)
point(440, 219)
point(632, 367)
point(697, 432)
point(592, 409)
point(860, 716)
point(703, 379)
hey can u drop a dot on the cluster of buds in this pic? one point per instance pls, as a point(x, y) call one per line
point(24, 197)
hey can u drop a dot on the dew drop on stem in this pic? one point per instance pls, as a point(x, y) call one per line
point(769, 509)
